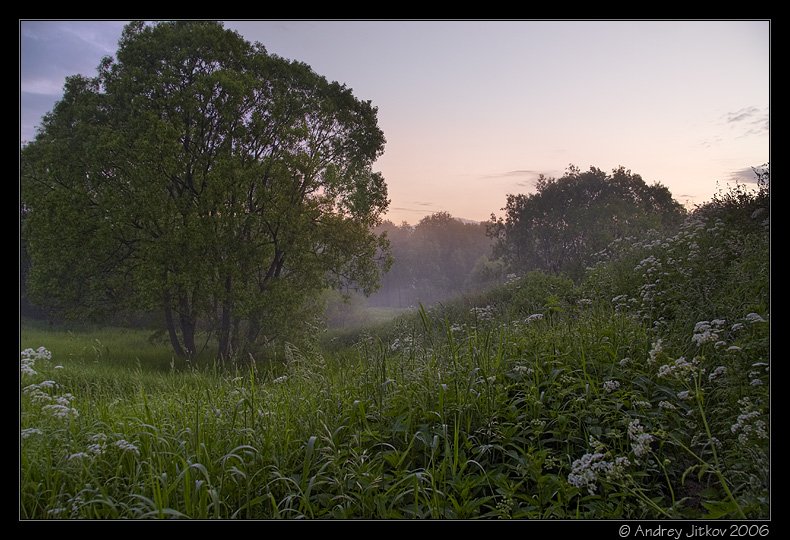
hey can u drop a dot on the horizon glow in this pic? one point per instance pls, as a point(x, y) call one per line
point(473, 111)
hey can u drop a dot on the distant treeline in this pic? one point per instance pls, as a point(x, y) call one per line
point(438, 258)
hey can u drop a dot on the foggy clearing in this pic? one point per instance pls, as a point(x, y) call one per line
point(230, 309)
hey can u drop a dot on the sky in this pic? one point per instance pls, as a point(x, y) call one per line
point(473, 111)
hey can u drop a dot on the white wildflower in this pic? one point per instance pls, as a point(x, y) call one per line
point(643, 404)
point(611, 385)
point(657, 348)
point(748, 423)
point(733, 348)
point(483, 313)
point(756, 382)
point(716, 373)
point(28, 432)
point(79, 455)
point(534, 317)
point(666, 405)
point(96, 448)
point(64, 400)
point(524, 370)
point(27, 369)
point(58, 367)
point(720, 344)
point(684, 395)
point(584, 302)
point(98, 438)
point(737, 326)
point(590, 468)
point(640, 441)
point(754, 318)
point(281, 379)
point(37, 395)
point(47, 384)
point(126, 446)
point(704, 333)
point(760, 364)
point(39, 354)
point(701, 326)
point(625, 361)
point(61, 411)
point(681, 369)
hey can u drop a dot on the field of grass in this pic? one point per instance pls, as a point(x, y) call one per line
point(642, 392)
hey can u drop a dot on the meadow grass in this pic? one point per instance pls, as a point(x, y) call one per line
point(637, 394)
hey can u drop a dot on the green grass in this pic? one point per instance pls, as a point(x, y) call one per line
point(123, 348)
point(539, 399)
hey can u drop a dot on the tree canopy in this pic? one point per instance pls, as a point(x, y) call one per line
point(202, 177)
point(567, 220)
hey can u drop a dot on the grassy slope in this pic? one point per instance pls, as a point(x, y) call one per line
point(473, 409)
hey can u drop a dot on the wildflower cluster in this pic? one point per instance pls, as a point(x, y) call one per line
point(680, 369)
point(589, 469)
point(485, 313)
point(749, 422)
point(640, 441)
point(28, 359)
point(707, 332)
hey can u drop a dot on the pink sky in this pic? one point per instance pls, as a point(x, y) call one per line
point(473, 111)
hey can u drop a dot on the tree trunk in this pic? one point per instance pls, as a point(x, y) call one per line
point(235, 333)
point(253, 329)
point(187, 327)
point(171, 328)
point(225, 324)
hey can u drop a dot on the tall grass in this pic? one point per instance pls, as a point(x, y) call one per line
point(539, 399)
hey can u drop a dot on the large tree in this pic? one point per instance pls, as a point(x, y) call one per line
point(566, 220)
point(200, 176)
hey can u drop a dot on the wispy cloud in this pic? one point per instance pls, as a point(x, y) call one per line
point(749, 120)
point(746, 113)
point(508, 174)
point(711, 142)
point(423, 203)
point(406, 209)
point(42, 86)
point(101, 38)
point(745, 175)
point(520, 178)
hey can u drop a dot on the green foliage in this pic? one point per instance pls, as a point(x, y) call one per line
point(567, 220)
point(711, 268)
point(198, 176)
